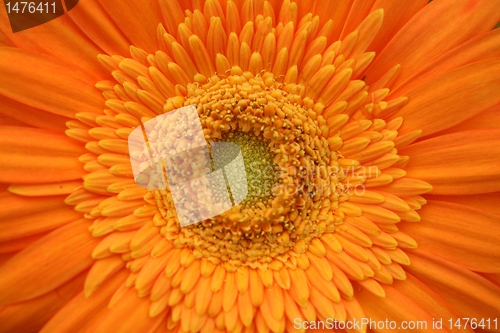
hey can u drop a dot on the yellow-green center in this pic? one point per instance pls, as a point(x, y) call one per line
point(262, 174)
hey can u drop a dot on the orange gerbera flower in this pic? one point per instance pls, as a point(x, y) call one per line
point(379, 120)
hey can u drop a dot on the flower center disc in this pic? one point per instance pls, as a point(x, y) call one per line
point(292, 195)
point(262, 174)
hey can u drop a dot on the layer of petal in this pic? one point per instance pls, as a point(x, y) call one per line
point(4, 41)
point(429, 300)
point(31, 315)
point(80, 310)
point(485, 202)
point(485, 46)
point(47, 264)
point(458, 233)
point(487, 119)
point(32, 116)
point(130, 314)
point(59, 38)
point(15, 206)
point(19, 244)
point(495, 278)
point(396, 14)
point(91, 18)
point(466, 162)
point(452, 98)
point(43, 190)
point(468, 293)
point(395, 306)
point(4, 257)
point(359, 10)
point(137, 20)
point(37, 156)
point(337, 11)
point(434, 30)
point(32, 224)
point(7, 121)
point(56, 87)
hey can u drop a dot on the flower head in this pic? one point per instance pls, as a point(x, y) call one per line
point(365, 128)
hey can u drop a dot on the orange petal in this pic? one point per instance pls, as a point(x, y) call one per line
point(54, 86)
point(130, 314)
point(469, 294)
point(16, 206)
point(337, 11)
point(487, 119)
point(173, 15)
point(81, 310)
point(396, 14)
point(13, 246)
point(7, 121)
point(432, 32)
point(452, 98)
point(37, 156)
point(406, 187)
point(60, 39)
point(460, 163)
point(32, 116)
point(495, 278)
point(359, 10)
point(4, 257)
point(46, 189)
point(31, 224)
point(137, 20)
point(30, 316)
point(4, 41)
point(482, 47)
point(447, 231)
point(98, 26)
point(486, 202)
point(47, 264)
point(429, 300)
point(102, 270)
point(395, 307)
